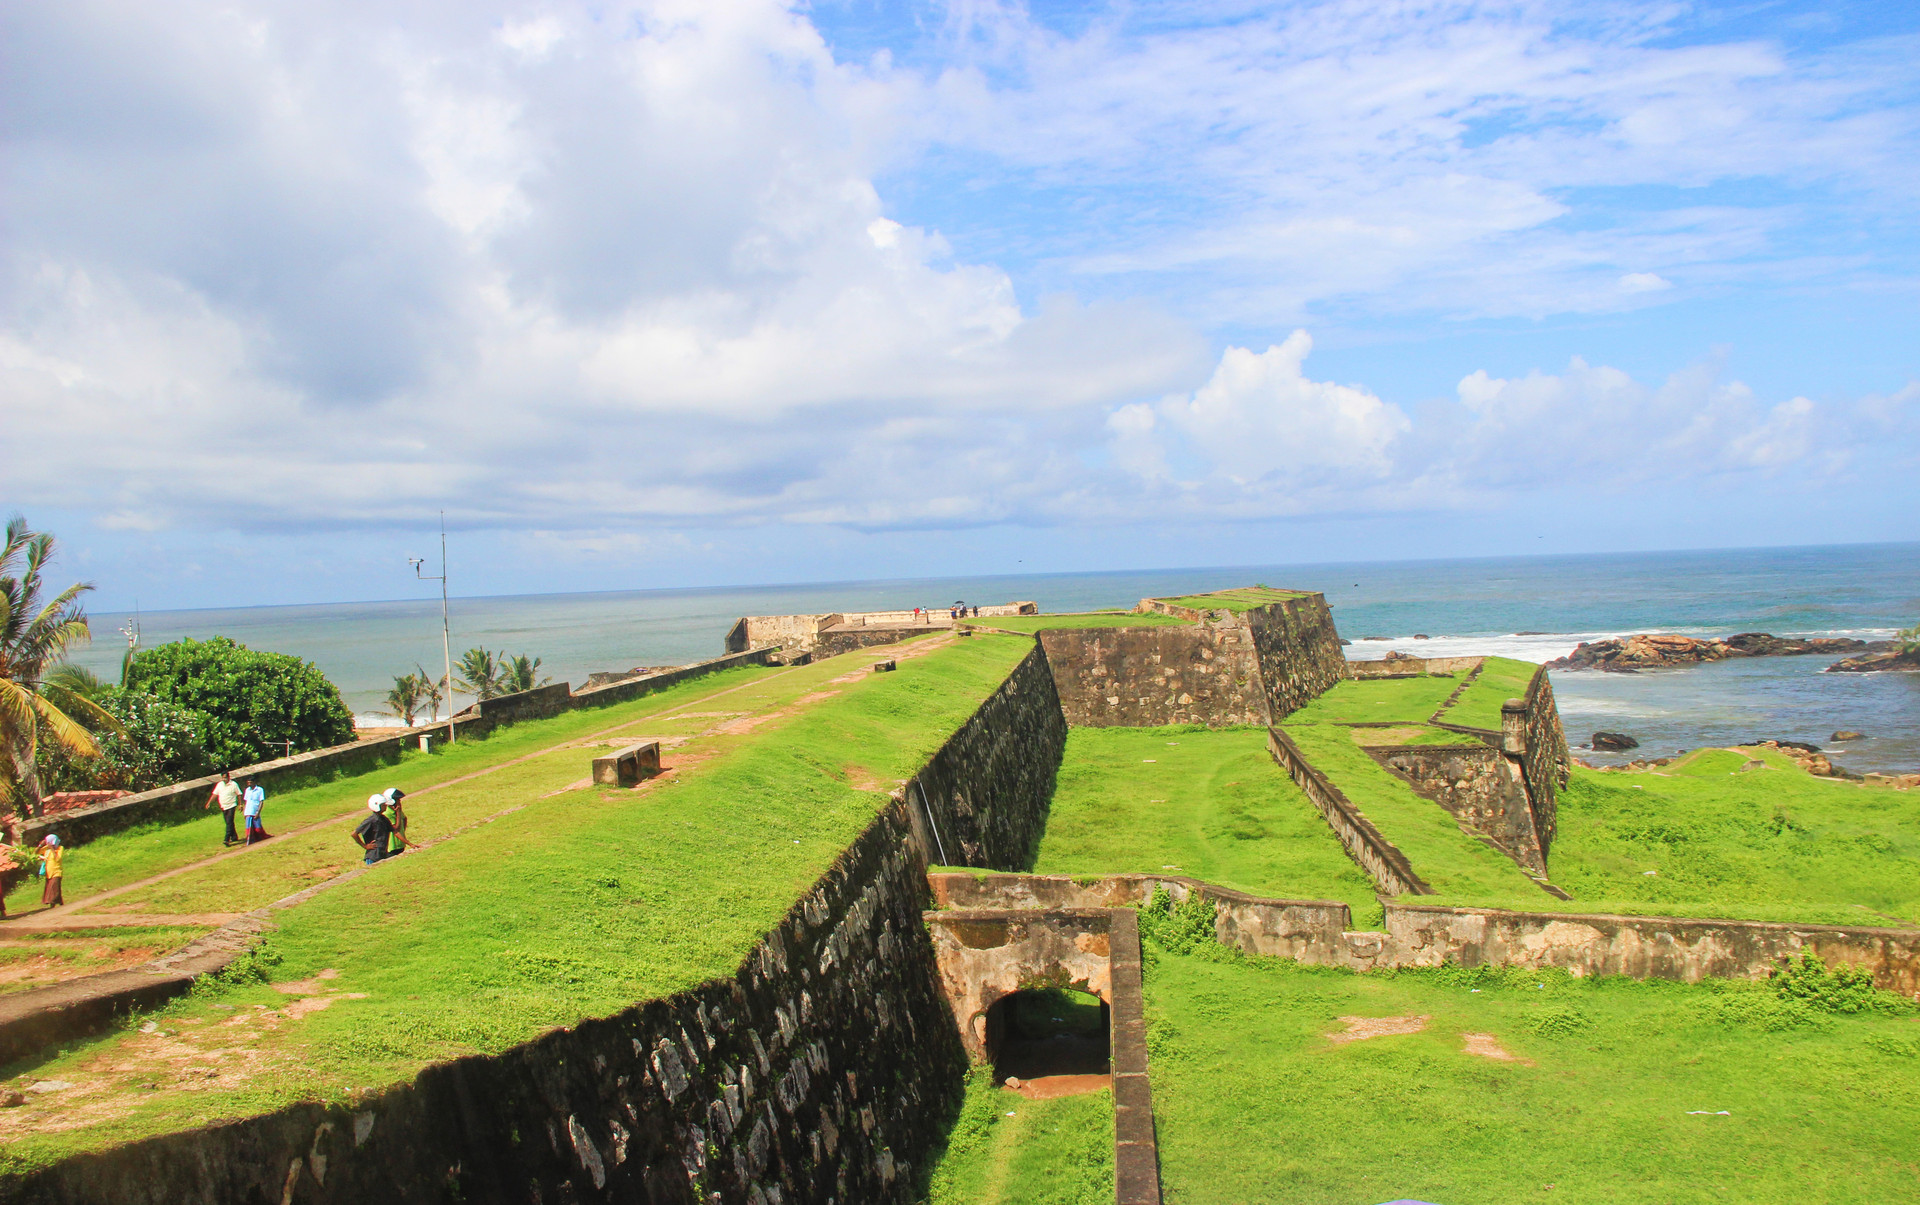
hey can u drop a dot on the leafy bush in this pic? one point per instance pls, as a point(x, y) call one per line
point(1846, 989)
point(1177, 928)
point(250, 706)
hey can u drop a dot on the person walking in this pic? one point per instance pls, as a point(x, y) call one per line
point(226, 793)
point(398, 843)
point(254, 800)
point(373, 833)
point(50, 857)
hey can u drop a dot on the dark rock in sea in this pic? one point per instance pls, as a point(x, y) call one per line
point(1346, 642)
point(1614, 742)
point(1873, 663)
point(1847, 734)
point(1421, 636)
point(1536, 633)
point(1645, 651)
point(1801, 746)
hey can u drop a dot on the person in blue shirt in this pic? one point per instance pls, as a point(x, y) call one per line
point(253, 799)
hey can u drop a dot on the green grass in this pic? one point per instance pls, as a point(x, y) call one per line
point(1090, 619)
point(572, 907)
point(137, 853)
point(1253, 1103)
point(1243, 599)
point(1451, 862)
point(1500, 679)
point(1772, 844)
point(1008, 1150)
point(1401, 700)
point(1412, 734)
point(1211, 804)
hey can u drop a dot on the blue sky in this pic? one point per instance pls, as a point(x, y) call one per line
point(675, 293)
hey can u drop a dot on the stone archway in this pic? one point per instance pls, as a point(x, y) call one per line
point(988, 955)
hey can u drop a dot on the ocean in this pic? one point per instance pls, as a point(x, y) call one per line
point(1534, 608)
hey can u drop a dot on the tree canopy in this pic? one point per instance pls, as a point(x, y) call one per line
point(251, 705)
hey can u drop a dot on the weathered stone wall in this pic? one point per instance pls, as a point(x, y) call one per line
point(821, 1070)
point(986, 955)
point(833, 642)
point(1404, 667)
point(1298, 650)
point(1424, 935)
point(633, 688)
point(1375, 854)
point(1150, 676)
point(1480, 786)
point(1644, 947)
point(1544, 759)
point(535, 704)
point(988, 788)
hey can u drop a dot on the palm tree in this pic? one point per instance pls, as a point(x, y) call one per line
point(518, 673)
point(405, 697)
point(432, 690)
point(478, 673)
point(33, 635)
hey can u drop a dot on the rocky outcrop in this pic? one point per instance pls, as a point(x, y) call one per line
point(1668, 649)
point(1873, 663)
point(1614, 742)
point(1808, 756)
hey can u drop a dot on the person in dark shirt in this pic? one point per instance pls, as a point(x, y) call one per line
point(375, 831)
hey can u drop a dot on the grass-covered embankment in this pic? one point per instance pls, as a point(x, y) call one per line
point(1008, 1150)
point(1378, 700)
point(1499, 679)
point(1090, 619)
point(1452, 862)
point(1707, 837)
point(575, 905)
point(138, 853)
point(1244, 599)
point(1615, 1094)
point(1209, 804)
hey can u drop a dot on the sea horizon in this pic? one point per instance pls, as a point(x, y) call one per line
point(1535, 608)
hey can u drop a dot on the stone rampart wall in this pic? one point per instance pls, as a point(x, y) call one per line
point(1480, 786)
point(988, 788)
point(1149, 676)
point(1425, 935)
point(1298, 650)
point(846, 640)
point(1375, 854)
point(1544, 759)
point(1401, 667)
point(647, 684)
point(535, 704)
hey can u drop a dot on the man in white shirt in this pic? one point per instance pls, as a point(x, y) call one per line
point(226, 793)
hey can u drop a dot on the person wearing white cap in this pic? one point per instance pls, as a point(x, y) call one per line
point(397, 817)
point(373, 832)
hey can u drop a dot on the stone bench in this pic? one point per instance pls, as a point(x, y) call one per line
point(883, 667)
point(626, 767)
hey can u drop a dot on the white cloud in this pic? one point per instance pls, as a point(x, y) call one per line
point(1644, 282)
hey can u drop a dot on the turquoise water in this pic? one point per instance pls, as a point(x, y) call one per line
point(1534, 608)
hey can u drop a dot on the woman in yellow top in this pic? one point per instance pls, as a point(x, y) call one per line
point(50, 855)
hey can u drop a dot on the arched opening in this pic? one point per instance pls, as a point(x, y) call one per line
point(1054, 1035)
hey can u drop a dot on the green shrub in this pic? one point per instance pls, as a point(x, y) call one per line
point(1556, 1020)
point(251, 707)
point(1177, 928)
point(1846, 989)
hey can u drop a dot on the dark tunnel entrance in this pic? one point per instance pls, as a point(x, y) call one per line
point(1048, 1033)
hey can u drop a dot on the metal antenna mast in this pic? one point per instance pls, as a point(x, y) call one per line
point(446, 637)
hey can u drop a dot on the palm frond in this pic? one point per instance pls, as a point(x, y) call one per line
point(64, 729)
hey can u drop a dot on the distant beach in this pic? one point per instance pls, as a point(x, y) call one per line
point(1533, 608)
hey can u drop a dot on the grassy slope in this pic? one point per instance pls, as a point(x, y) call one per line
point(1211, 803)
point(1773, 844)
point(1402, 700)
point(1235, 600)
point(1252, 1103)
point(137, 853)
point(1092, 619)
point(1008, 1150)
point(575, 906)
point(1500, 679)
point(1452, 862)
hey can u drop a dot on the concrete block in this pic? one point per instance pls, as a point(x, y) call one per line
point(627, 767)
